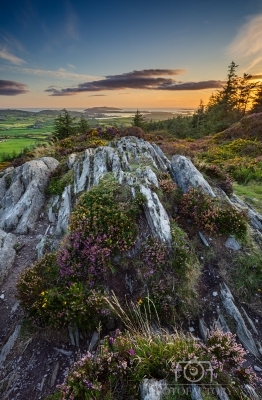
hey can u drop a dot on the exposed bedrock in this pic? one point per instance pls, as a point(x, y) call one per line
point(132, 161)
point(186, 175)
point(23, 194)
point(7, 253)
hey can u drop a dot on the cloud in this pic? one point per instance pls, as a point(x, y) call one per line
point(96, 95)
point(194, 85)
point(248, 42)
point(12, 41)
point(71, 66)
point(12, 88)
point(71, 23)
point(146, 79)
point(54, 74)
point(10, 57)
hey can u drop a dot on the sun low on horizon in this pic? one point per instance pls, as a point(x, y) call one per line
point(74, 55)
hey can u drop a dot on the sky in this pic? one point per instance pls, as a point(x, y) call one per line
point(126, 54)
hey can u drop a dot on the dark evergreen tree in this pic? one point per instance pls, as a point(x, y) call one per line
point(64, 125)
point(83, 125)
point(257, 101)
point(139, 120)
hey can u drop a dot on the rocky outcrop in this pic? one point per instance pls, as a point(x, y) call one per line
point(254, 217)
point(23, 194)
point(7, 253)
point(242, 332)
point(132, 161)
point(186, 175)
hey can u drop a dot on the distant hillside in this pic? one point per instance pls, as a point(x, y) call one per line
point(102, 110)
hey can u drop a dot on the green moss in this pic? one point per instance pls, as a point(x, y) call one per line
point(61, 178)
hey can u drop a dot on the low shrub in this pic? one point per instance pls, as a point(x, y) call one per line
point(100, 228)
point(208, 215)
point(124, 360)
point(48, 300)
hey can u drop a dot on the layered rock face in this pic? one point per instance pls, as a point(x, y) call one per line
point(7, 253)
point(186, 175)
point(22, 194)
point(132, 161)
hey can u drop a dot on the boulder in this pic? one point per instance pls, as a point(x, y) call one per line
point(7, 253)
point(152, 389)
point(232, 244)
point(186, 175)
point(24, 194)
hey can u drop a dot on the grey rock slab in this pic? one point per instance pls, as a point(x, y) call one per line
point(202, 237)
point(94, 340)
point(162, 156)
point(64, 211)
point(222, 324)
point(25, 195)
point(7, 253)
point(242, 332)
point(152, 389)
point(67, 353)
point(54, 374)
point(196, 392)
point(203, 329)
point(252, 393)
point(221, 393)
point(186, 175)
point(156, 215)
point(71, 160)
point(232, 244)
point(251, 323)
point(9, 344)
point(257, 369)
point(255, 218)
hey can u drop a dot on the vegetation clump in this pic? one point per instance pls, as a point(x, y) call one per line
point(124, 360)
point(210, 216)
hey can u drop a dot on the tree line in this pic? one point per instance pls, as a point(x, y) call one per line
point(239, 96)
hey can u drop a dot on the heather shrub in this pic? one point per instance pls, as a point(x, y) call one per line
point(108, 133)
point(220, 178)
point(101, 226)
point(132, 131)
point(123, 360)
point(34, 280)
point(208, 215)
point(48, 300)
point(105, 375)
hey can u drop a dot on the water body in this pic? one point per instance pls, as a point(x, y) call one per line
point(128, 111)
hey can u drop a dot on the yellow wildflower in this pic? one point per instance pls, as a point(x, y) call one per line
point(140, 301)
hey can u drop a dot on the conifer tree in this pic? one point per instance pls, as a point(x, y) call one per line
point(64, 125)
point(139, 120)
point(83, 125)
point(257, 101)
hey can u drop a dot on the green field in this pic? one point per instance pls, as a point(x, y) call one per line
point(23, 129)
point(251, 194)
point(13, 147)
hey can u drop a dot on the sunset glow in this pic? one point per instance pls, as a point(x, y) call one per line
point(71, 54)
